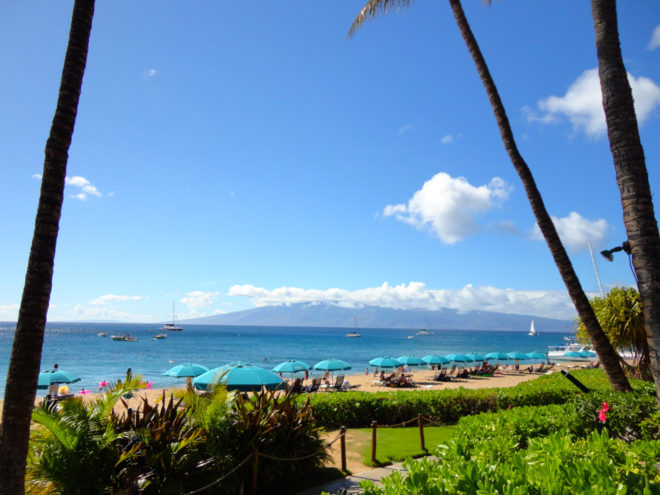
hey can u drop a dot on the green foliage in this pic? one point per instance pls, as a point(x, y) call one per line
point(358, 409)
point(396, 444)
point(557, 463)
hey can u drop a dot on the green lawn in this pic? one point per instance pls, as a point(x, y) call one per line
point(395, 444)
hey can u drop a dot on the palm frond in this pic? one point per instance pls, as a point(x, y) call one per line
point(371, 9)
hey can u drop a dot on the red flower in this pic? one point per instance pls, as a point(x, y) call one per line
point(601, 413)
point(605, 406)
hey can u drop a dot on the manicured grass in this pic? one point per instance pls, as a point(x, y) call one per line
point(395, 444)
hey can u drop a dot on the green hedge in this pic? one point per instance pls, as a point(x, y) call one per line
point(359, 409)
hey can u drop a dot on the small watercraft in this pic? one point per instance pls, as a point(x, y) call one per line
point(172, 327)
point(102, 334)
point(532, 330)
point(124, 338)
point(160, 336)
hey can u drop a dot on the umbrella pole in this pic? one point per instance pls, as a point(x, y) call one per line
point(189, 383)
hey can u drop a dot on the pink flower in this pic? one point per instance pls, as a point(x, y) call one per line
point(605, 407)
point(601, 416)
point(149, 385)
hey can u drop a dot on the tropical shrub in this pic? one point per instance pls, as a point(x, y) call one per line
point(557, 463)
point(359, 409)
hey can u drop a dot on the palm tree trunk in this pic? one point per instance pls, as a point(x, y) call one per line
point(602, 345)
point(631, 174)
point(21, 386)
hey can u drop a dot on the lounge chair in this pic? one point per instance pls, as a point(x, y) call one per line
point(339, 381)
point(540, 369)
point(296, 387)
point(314, 387)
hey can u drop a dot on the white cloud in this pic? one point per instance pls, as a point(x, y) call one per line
point(582, 103)
point(447, 206)
point(575, 230)
point(110, 298)
point(86, 187)
point(405, 129)
point(102, 312)
point(447, 139)
point(415, 295)
point(9, 311)
point(655, 38)
point(198, 299)
point(149, 73)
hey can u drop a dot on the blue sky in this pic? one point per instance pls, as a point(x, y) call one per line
point(229, 155)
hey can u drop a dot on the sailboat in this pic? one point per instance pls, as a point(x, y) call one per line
point(172, 326)
point(354, 334)
point(532, 330)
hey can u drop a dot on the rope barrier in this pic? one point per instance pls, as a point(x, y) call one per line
point(220, 479)
point(428, 420)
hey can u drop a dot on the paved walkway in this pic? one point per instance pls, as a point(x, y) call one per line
point(351, 484)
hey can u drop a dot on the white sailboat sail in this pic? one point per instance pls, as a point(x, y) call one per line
point(532, 330)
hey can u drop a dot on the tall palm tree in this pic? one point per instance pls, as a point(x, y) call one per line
point(21, 386)
point(602, 345)
point(631, 174)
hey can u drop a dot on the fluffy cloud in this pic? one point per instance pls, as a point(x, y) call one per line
point(575, 230)
point(9, 311)
point(447, 206)
point(415, 295)
point(111, 298)
point(199, 299)
point(101, 312)
point(405, 129)
point(149, 73)
point(582, 103)
point(655, 38)
point(447, 139)
point(85, 188)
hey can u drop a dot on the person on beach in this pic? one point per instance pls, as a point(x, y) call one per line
point(376, 371)
point(326, 379)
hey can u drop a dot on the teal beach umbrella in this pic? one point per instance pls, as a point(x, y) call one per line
point(458, 358)
point(239, 376)
point(500, 356)
point(55, 377)
point(436, 359)
point(386, 362)
point(535, 356)
point(332, 365)
point(411, 360)
point(186, 370)
point(517, 355)
point(573, 354)
point(291, 366)
point(475, 356)
point(587, 354)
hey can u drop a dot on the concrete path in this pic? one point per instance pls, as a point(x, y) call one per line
point(351, 484)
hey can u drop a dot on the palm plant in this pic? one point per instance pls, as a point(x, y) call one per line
point(21, 385)
point(600, 342)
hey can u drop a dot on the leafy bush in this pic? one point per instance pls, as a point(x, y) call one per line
point(557, 463)
point(358, 409)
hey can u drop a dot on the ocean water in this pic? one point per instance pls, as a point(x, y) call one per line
point(77, 348)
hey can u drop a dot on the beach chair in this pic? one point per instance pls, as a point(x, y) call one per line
point(540, 369)
point(339, 381)
point(296, 387)
point(314, 387)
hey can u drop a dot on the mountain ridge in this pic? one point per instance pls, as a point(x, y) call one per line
point(329, 315)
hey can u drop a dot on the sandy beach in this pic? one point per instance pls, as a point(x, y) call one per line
point(367, 383)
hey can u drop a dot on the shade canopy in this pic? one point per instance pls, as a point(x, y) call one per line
point(291, 366)
point(386, 362)
point(332, 365)
point(435, 359)
point(573, 354)
point(475, 356)
point(411, 360)
point(500, 356)
point(517, 355)
point(186, 370)
point(54, 377)
point(536, 355)
point(458, 358)
point(239, 376)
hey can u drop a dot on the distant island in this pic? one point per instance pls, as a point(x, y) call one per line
point(329, 315)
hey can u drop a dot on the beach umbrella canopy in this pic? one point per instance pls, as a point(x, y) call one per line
point(517, 355)
point(536, 355)
point(475, 356)
point(291, 366)
point(435, 359)
point(54, 377)
point(587, 354)
point(386, 362)
point(573, 354)
point(186, 370)
point(411, 360)
point(500, 356)
point(332, 365)
point(239, 376)
point(458, 358)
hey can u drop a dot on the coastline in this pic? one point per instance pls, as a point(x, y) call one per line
point(364, 383)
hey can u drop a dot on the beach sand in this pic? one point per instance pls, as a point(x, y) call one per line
point(367, 383)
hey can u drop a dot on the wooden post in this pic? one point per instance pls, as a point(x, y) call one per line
point(373, 441)
point(255, 463)
point(342, 443)
point(420, 423)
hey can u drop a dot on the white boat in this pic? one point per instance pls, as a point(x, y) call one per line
point(102, 334)
point(172, 327)
point(124, 338)
point(532, 330)
point(354, 334)
point(558, 352)
point(160, 336)
point(424, 331)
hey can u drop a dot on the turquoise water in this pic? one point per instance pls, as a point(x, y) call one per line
point(77, 348)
